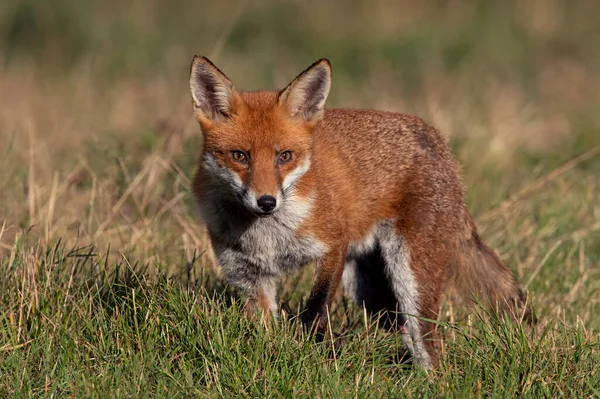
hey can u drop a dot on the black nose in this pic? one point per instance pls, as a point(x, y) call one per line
point(266, 203)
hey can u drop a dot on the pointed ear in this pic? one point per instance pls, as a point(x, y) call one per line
point(213, 95)
point(305, 97)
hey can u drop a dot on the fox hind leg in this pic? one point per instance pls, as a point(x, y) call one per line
point(418, 335)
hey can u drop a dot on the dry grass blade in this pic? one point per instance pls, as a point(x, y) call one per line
point(539, 183)
point(542, 263)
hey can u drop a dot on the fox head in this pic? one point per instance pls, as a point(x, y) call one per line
point(257, 145)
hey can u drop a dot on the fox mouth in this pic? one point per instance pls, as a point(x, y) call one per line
point(262, 214)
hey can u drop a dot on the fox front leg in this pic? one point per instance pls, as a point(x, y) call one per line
point(327, 279)
point(262, 298)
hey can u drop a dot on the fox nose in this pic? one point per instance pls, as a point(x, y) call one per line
point(266, 203)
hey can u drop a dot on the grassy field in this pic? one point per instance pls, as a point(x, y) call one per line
point(108, 287)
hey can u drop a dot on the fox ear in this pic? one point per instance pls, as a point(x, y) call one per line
point(305, 97)
point(213, 94)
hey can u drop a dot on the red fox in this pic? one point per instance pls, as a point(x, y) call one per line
point(374, 198)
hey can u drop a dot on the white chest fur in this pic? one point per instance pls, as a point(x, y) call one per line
point(268, 246)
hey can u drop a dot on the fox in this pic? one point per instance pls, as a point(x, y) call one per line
point(373, 198)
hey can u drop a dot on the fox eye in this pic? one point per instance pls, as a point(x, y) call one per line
point(240, 157)
point(285, 157)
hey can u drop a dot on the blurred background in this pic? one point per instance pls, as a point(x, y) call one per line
point(98, 142)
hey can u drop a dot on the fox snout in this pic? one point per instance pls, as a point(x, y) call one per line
point(261, 204)
point(256, 190)
point(267, 203)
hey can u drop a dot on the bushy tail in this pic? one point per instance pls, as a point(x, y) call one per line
point(477, 271)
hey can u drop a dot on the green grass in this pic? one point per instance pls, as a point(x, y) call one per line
point(125, 334)
point(108, 286)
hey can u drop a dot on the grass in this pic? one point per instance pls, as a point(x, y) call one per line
point(107, 282)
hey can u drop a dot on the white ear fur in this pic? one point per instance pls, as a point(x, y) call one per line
point(305, 96)
point(213, 93)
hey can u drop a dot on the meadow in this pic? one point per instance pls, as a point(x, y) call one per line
point(108, 287)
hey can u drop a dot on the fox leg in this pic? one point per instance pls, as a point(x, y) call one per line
point(400, 264)
point(327, 279)
point(262, 297)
